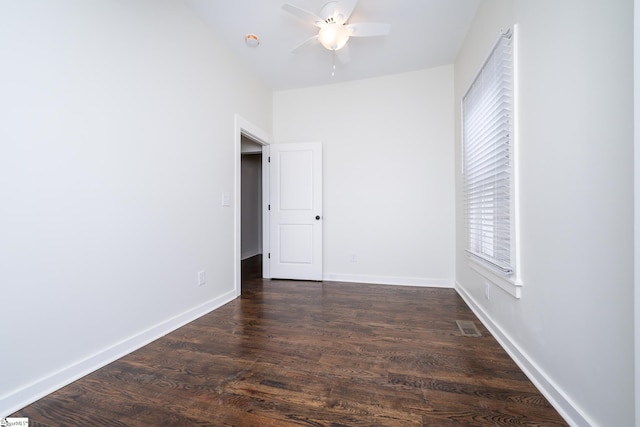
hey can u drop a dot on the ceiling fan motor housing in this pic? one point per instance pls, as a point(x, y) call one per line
point(328, 10)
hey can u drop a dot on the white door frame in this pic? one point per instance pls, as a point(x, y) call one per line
point(636, 167)
point(255, 133)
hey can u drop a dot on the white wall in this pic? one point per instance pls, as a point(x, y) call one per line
point(116, 144)
point(388, 173)
point(572, 330)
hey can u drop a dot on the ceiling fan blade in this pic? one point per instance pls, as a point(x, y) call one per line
point(368, 29)
point(343, 55)
point(343, 10)
point(305, 15)
point(308, 42)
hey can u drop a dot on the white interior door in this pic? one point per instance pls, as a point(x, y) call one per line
point(296, 211)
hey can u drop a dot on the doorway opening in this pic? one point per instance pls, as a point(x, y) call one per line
point(250, 209)
point(254, 143)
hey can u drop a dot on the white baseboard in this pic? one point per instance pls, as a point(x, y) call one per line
point(390, 280)
point(554, 394)
point(250, 253)
point(20, 398)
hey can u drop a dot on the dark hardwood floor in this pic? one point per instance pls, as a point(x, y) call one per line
point(312, 354)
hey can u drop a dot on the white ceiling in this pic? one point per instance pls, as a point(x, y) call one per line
point(424, 34)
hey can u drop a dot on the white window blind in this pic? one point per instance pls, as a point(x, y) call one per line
point(487, 136)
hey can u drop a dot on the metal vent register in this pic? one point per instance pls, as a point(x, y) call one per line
point(468, 328)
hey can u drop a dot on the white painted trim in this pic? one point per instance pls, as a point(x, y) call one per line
point(636, 168)
point(20, 398)
point(508, 284)
point(242, 126)
point(266, 213)
point(389, 280)
point(554, 394)
point(517, 265)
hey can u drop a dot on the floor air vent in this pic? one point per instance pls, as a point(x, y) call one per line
point(468, 328)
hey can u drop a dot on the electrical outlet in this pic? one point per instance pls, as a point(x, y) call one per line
point(353, 257)
point(202, 278)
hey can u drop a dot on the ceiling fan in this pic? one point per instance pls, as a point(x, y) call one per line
point(334, 30)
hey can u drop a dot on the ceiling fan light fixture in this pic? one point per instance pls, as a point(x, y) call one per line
point(333, 36)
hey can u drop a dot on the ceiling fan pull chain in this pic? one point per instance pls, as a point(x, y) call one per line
point(333, 67)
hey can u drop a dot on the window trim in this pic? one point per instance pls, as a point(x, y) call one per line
point(510, 284)
point(510, 280)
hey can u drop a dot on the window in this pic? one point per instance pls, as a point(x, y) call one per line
point(488, 161)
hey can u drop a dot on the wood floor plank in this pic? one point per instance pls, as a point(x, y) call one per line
point(310, 354)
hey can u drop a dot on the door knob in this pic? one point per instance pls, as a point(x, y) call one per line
point(317, 217)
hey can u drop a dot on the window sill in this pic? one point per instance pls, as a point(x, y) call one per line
point(511, 284)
